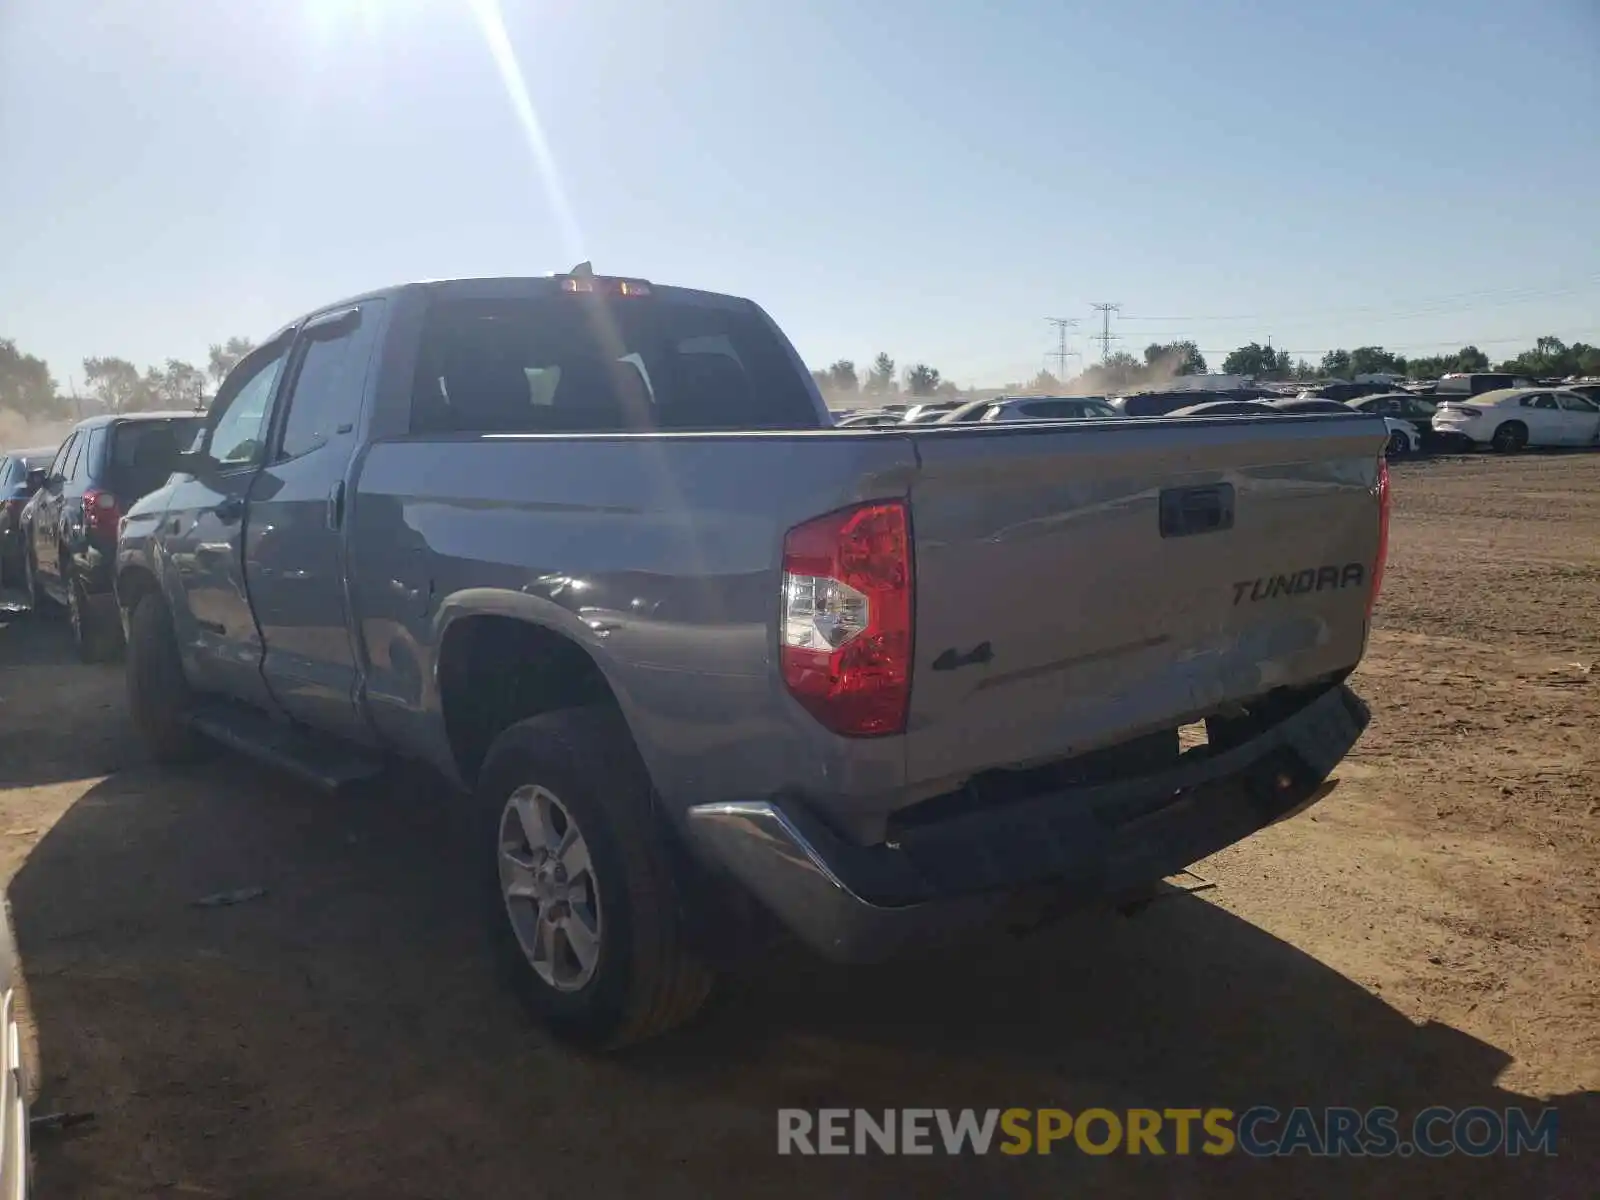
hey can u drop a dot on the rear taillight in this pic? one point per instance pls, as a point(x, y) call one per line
point(845, 641)
point(1383, 534)
point(1466, 410)
point(100, 512)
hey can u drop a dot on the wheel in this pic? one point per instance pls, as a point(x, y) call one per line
point(1398, 446)
point(95, 638)
point(584, 902)
point(158, 692)
point(1510, 437)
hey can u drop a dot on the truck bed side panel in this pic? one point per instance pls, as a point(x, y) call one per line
point(659, 554)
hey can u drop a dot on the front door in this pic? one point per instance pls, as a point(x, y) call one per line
point(45, 523)
point(295, 547)
point(203, 532)
point(1582, 419)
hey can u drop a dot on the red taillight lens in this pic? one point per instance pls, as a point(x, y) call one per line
point(1383, 534)
point(100, 512)
point(845, 639)
point(1466, 410)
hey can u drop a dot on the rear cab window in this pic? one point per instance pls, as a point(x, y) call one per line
point(586, 363)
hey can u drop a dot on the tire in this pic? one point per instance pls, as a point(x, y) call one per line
point(158, 693)
point(643, 976)
point(1399, 445)
point(1509, 438)
point(92, 635)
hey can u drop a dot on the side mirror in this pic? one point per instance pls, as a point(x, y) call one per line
point(35, 480)
point(193, 462)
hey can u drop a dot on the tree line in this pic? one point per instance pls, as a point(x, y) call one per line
point(28, 387)
point(919, 379)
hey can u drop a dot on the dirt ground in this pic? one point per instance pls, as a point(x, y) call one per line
point(1427, 935)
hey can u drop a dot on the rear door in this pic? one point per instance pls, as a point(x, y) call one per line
point(203, 533)
point(295, 545)
point(1076, 587)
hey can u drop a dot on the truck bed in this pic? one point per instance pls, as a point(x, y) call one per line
point(1057, 610)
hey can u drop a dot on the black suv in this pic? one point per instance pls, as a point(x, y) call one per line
point(70, 524)
point(14, 495)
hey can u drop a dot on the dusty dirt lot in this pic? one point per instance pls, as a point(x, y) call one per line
point(1428, 935)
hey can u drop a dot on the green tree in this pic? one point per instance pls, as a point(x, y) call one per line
point(1254, 360)
point(226, 355)
point(25, 383)
point(1374, 360)
point(1302, 371)
point(842, 376)
point(115, 383)
point(1175, 358)
point(1119, 372)
point(1553, 358)
point(1336, 364)
point(922, 380)
point(1042, 384)
point(880, 378)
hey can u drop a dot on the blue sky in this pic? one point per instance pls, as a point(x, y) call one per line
point(929, 179)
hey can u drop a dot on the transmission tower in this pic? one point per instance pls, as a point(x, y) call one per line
point(1105, 337)
point(1061, 353)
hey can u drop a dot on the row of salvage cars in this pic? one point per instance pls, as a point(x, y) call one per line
point(1505, 419)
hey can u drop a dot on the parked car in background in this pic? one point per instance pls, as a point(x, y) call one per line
point(1475, 383)
point(1161, 403)
point(927, 414)
point(868, 417)
point(877, 687)
point(1030, 408)
point(1512, 418)
point(1403, 436)
point(15, 492)
point(1416, 411)
point(70, 523)
point(1228, 408)
point(1343, 390)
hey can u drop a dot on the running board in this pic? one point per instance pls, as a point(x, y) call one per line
point(322, 762)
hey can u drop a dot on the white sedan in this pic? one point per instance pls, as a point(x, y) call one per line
point(1513, 418)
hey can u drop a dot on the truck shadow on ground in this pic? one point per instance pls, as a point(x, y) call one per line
point(342, 1032)
point(54, 709)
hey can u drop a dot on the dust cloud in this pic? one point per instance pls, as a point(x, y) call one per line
point(19, 432)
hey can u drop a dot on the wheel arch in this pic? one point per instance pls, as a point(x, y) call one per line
point(502, 658)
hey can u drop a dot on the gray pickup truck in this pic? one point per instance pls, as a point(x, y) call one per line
point(592, 549)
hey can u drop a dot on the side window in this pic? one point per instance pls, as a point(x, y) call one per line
point(69, 465)
point(84, 470)
point(329, 381)
point(1573, 402)
point(238, 432)
point(58, 464)
point(1543, 400)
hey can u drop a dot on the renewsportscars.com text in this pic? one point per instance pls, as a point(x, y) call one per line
point(1259, 1132)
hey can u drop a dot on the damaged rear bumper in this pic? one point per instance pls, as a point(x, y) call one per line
point(864, 903)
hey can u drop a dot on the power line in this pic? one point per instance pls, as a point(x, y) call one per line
point(1105, 337)
point(1061, 354)
point(1437, 306)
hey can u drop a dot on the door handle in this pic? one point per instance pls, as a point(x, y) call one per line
point(229, 508)
point(336, 506)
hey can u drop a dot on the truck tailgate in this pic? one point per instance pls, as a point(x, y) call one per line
point(1080, 585)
